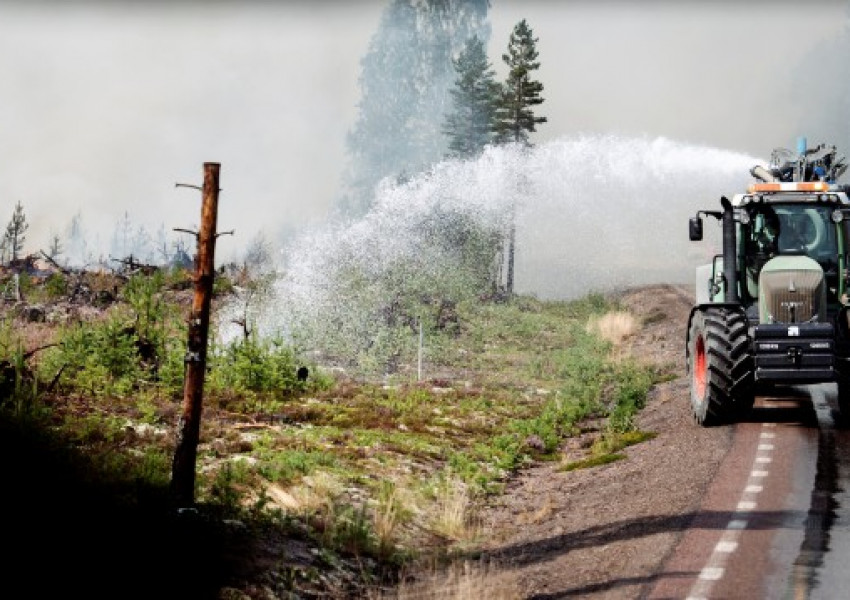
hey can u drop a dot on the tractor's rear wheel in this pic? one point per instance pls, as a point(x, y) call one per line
point(720, 366)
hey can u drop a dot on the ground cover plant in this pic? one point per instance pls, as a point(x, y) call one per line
point(338, 482)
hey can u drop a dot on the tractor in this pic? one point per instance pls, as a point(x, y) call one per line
point(772, 309)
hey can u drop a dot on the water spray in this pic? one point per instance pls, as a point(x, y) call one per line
point(597, 213)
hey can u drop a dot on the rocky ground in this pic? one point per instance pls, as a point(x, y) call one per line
point(605, 532)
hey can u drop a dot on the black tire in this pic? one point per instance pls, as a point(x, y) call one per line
point(720, 366)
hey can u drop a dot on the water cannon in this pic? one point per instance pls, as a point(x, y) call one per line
point(819, 163)
point(762, 174)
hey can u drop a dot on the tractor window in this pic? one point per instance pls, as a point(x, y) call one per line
point(806, 229)
point(789, 229)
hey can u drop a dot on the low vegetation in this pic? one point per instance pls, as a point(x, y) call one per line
point(312, 480)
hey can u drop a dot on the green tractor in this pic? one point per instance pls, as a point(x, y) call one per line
point(773, 308)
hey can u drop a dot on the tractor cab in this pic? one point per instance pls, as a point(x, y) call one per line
point(792, 232)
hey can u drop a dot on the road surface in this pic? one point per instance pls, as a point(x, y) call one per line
point(775, 523)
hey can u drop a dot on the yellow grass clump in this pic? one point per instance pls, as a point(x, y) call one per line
point(614, 327)
point(461, 581)
point(451, 516)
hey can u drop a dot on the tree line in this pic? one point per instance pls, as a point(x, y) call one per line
point(429, 92)
point(487, 112)
point(73, 249)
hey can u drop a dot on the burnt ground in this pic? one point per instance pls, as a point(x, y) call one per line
point(605, 532)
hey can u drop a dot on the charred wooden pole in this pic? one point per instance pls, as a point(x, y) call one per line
point(189, 425)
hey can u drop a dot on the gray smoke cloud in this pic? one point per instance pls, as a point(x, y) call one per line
point(106, 105)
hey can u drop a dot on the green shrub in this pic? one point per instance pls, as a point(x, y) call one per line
point(100, 358)
point(632, 386)
point(249, 365)
point(56, 285)
point(287, 466)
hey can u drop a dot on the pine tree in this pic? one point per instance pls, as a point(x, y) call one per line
point(515, 118)
point(380, 142)
point(15, 236)
point(514, 115)
point(469, 128)
point(55, 249)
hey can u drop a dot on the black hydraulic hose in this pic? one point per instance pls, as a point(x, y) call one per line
point(730, 251)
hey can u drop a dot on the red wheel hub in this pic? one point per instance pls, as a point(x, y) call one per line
point(700, 375)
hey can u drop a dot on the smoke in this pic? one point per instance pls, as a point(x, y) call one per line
point(106, 105)
point(821, 82)
point(404, 82)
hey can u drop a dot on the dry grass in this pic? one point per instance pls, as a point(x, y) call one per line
point(461, 581)
point(393, 509)
point(387, 519)
point(451, 514)
point(317, 491)
point(545, 510)
point(614, 327)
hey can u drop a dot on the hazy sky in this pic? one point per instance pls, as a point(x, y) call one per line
point(104, 106)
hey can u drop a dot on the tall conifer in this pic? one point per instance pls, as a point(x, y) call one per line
point(515, 118)
point(469, 126)
point(15, 236)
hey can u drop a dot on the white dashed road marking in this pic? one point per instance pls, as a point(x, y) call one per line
point(716, 565)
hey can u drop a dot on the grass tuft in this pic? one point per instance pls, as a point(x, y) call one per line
point(592, 461)
point(614, 327)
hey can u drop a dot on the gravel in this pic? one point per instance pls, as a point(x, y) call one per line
point(605, 532)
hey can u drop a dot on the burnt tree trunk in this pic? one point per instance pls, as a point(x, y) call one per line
point(189, 424)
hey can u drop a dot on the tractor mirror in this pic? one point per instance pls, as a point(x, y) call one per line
point(695, 229)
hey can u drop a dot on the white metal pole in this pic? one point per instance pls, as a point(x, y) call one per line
point(419, 369)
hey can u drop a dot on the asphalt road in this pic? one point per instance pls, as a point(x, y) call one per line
point(775, 523)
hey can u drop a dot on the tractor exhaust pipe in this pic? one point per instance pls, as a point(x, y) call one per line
point(730, 251)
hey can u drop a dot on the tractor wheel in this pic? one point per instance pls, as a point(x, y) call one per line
point(720, 366)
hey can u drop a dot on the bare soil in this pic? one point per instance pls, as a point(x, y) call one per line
point(605, 532)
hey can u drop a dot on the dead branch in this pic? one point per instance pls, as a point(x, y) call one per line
point(62, 269)
point(29, 353)
point(195, 233)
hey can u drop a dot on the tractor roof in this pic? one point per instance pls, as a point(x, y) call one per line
point(806, 192)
